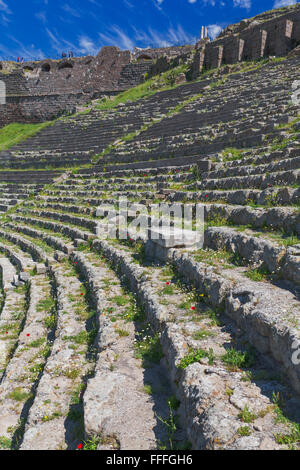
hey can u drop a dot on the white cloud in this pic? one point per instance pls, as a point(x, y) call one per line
point(4, 20)
point(29, 52)
point(70, 10)
point(192, 1)
point(60, 44)
point(117, 37)
point(214, 30)
point(128, 4)
point(242, 4)
point(4, 7)
point(172, 36)
point(87, 46)
point(284, 3)
point(209, 2)
point(41, 15)
point(158, 4)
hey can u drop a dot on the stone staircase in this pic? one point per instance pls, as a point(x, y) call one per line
point(105, 340)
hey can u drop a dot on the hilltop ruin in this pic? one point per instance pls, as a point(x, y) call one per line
point(38, 91)
point(112, 338)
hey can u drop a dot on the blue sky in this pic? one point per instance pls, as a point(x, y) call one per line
point(44, 28)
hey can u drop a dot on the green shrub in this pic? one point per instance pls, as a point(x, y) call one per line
point(238, 359)
point(196, 356)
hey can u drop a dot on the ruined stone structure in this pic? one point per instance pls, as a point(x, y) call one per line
point(273, 34)
point(107, 334)
point(38, 91)
point(170, 52)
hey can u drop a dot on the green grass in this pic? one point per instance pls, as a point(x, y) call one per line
point(210, 256)
point(168, 290)
point(244, 431)
point(16, 132)
point(149, 349)
point(37, 343)
point(76, 394)
point(292, 438)
point(148, 389)
point(121, 332)
point(5, 443)
point(237, 359)
point(80, 338)
point(174, 402)
point(18, 394)
point(281, 144)
point(231, 153)
point(130, 136)
point(171, 428)
point(247, 416)
point(72, 373)
point(92, 443)
point(196, 356)
point(165, 81)
point(201, 334)
point(120, 300)
point(258, 274)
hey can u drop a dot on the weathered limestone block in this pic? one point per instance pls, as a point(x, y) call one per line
point(257, 45)
point(213, 56)
point(79, 241)
point(198, 63)
point(60, 255)
point(160, 240)
point(233, 50)
point(24, 277)
point(40, 268)
point(279, 39)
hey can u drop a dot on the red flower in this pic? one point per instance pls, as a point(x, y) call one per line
point(193, 308)
point(167, 283)
point(28, 334)
point(80, 446)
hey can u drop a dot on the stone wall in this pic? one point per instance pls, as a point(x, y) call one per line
point(38, 91)
point(252, 39)
point(170, 52)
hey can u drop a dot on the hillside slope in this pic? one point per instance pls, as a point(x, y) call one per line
point(129, 342)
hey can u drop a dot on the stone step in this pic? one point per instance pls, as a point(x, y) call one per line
point(24, 369)
point(175, 346)
point(263, 181)
point(63, 372)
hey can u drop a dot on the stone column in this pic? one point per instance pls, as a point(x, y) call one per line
point(213, 56)
point(280, 38)
point(239, 50)
point(259, 46)
point(233, 50)
point(198, 63)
